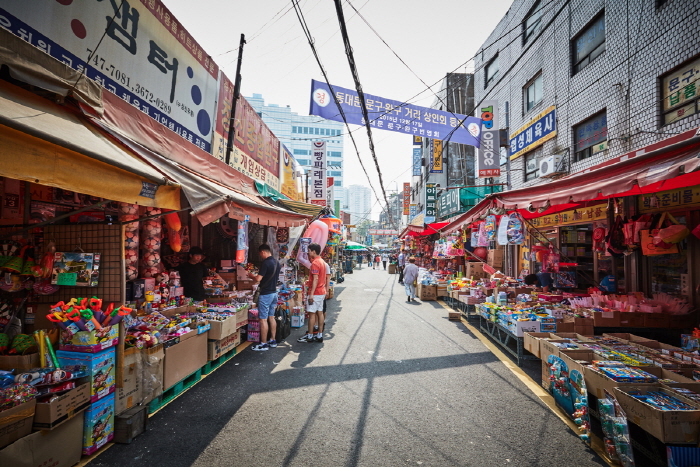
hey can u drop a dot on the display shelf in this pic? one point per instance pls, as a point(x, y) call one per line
point(510, 343)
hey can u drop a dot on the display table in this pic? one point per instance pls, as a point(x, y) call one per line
point(510, 343)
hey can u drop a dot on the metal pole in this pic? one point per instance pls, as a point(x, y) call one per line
point(236, 95)
point(508, 185)
point(307, 186)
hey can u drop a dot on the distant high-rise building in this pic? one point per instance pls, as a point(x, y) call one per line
point(359, 203)
point(297, 132)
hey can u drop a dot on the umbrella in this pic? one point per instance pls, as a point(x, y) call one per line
point(355, 246)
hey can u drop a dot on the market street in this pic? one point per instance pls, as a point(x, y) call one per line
point(393, 383)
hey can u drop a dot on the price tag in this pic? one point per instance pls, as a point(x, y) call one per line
point(67, 278)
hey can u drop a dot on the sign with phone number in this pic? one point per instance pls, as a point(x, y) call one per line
point(144, 56)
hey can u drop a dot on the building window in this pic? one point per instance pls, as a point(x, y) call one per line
point(532, 23)
point(335, 173)
point(680, 91)
point(591, 136)
point(532, 164)
point(532, 93)
point(301, 152)
point(491, 71)
point(316, 131)
point(294, 129)
point(337, 183)
point(588, 44)
point(335, 154)
point(306, 130)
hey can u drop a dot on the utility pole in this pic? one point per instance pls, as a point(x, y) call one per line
point(236, 95)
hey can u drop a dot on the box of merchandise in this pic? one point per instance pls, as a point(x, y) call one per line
point(297, 321)
point(90, 341)
point(224, 328)
point(152, 366)
point(531, 341)
point(546, 382)
point(50, 415)
point(101, 369)
point(584, 330)
point(16, 422)
point(98, 428)
point(577, 360)
point(521, 327)
point(130, 392)
point(656, 320)
point(184, 358)
point(19, 362)
point(630, 338)
point(426, 292)
point(217, 348)
point(668, 426)
point(60, 447)
point(631, 319)
point(597, 382)
point(475, 270)
point(242, 316)
point(549, 347)
point(564, 326)
point(495, 258)
point(607, 319)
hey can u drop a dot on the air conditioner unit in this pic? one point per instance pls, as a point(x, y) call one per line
point(551, 165)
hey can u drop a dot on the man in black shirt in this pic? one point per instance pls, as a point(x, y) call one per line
point(192, 274)
point(267, 282)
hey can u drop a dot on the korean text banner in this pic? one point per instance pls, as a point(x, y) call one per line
point(317, 174)
point(538, 130)
point(430, 203)
point(436, 165)
point(146, 57)
point(417, 156)
point(488, 161)
point(406, 197)
point(289, 182)
point(391, 115)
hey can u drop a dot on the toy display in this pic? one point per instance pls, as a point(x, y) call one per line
point(100, 368)
point(99, 425)
point(76, 269)
point(151, 234)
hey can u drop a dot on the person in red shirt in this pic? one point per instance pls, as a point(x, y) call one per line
point(316, 293)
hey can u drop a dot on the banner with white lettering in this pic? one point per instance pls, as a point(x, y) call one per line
point(317, 174)
point(488, 161)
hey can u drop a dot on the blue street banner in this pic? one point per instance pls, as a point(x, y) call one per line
point(417, 156)
point(391, 115)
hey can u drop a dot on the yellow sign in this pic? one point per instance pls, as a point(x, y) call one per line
point(574, 216)
point(682, 197)
point(289, 184)
point(437, 156)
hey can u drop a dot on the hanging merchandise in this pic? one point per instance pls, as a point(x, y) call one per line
point(490, 228)
point(550, 262)
point(151, 234)
point(242, 242)
point(674, 233)
point(76, 269)
point(615, 241)
point(650, 248)
point(129, 212)
point(502, 237)
point(172, 221)
point(515, 231)
point(318, 233)
point(599, 239)
point(483, 235)
point(474, 238)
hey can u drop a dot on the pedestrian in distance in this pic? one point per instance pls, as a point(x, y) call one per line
point(401, 263)
point(369, 260)
point(410, 276)
point(267, 283)
point(377, 259)
point(316, 293)
point(385, 258)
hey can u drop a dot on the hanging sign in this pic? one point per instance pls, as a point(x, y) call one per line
point(406, 198)
point(317, 175)
point(436, 164)
point(488, 159)
point(417, 157)
point(430, 203)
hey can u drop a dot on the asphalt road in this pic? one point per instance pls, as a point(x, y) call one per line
point(393, 383)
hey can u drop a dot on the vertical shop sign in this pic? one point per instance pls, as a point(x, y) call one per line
point(417, 156)
point(436, 165)
point(412, 210)
point(488, 158)
point(317, 176)
point(406, 197)
point(430, 203)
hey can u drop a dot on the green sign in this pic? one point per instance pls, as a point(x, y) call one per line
point(430, 203)
point(449, 204)
point(67, 278)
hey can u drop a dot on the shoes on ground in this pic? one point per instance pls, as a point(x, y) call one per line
point(305, 338)
point(261, 347)
point(317, 339)
point(272, 344)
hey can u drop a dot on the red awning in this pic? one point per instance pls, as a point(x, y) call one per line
point(429, 230)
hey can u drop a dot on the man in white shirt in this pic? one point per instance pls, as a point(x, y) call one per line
point(401, 264)
point(385, 258)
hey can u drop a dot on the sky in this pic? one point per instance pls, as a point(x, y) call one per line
point(433, 38)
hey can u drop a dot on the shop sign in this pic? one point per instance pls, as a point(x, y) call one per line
point(317, 174)
point(419, 219)
point(382, 232)
point(681, 197)
point(246, 165)
point(449, 204)
point(330, 192)
point(417, 158)
point(538, 130)
point(391, 115)
point(436, 164)
point(593, 134)
point(680, 87)
point(289, 182)
point(430, 203)
point(418, 141)
point(574, 216)
point(488, 157)
point(146, 56)
point(406, 197)
point(412, 208)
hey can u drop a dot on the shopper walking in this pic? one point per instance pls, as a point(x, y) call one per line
point(385, 258)
point(377, 259)
point(410, 276)
point(369, 260)
point(267, 283)
point(316, 293)
point(400, 265)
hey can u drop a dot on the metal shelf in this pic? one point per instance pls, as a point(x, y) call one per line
point(510, 343)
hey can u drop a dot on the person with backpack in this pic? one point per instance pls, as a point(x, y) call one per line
point(369, 260)
point(267, 283)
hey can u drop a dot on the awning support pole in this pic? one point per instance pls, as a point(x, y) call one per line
point(236, 95)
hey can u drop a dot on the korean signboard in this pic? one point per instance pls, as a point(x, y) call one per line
point(592, 133)
point(391, 115)
point(538, 130)
point(574, 216)
point(417, 157)
point(436, 164)
point(289, 182)
point(317, 174)
point(406, 197)
point(330, 193)
point(382, 232)
point(680, 91)
point(146, 57)
point(449, 204)
point(682, 197)
point(417, 141)
point(412, 210)
point(488, 160)
point(430, 203)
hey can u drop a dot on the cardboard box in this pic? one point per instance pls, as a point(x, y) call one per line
point(60, 447)
point(426, 292)
point(101, 370)
point(606, 319)
point(131, 391)
point(454, 315)
point(577, 360)
point(392, 269)
point(584, 330)
point(50, 415)
point(531, 341)
point(597, 383)
point(656, 320)
point(130, 424)
point(216, 348)
point(521, 327)
point(221, 329)
point(475, 270)
point(242, 316)
point(93, 341)
point(184, 358)
point(548, 348)
point(152, 364)
point(630, 338)
point(546, 382)
point(16, 422)
point(244, 284)
point(631, 319)
point(564, 326)
point(98, 428)
point(671, 426)
point(297, 321)
point(19, 362)
point(495, 258)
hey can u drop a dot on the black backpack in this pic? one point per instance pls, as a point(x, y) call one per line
point(284, 323)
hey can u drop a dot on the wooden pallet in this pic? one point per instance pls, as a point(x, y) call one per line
point(174, 391)
point(216, 363)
